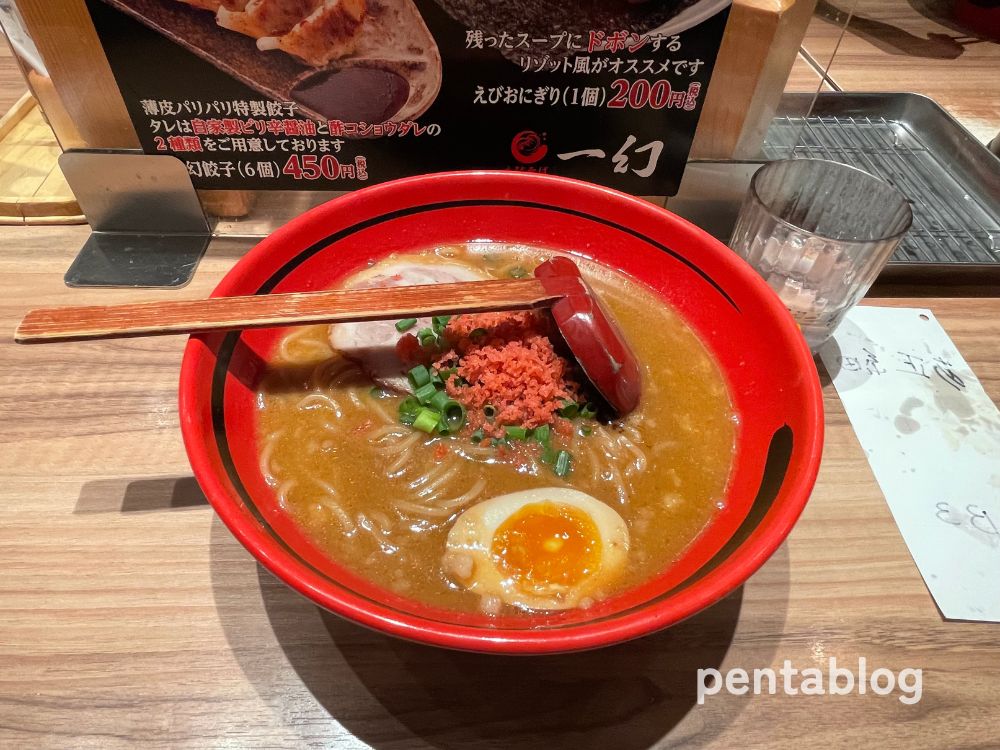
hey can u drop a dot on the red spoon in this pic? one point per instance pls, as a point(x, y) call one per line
point(599, 347)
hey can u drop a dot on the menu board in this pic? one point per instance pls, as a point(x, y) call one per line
point(338, 94)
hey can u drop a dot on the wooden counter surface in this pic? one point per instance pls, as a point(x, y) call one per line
point(129, 616)
point(904, 45)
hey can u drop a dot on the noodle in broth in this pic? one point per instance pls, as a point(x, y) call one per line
point(380, 497)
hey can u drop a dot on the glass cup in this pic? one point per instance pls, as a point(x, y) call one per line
point(819, 232)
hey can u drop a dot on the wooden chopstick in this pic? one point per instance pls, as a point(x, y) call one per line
point(272, 310)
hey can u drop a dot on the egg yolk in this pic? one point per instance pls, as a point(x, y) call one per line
point(545, 543)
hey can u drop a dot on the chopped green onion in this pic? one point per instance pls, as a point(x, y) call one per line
point(425, 393)
point(418, 376)
point(379, 392)
point(589, 411)
point(426, 337)
point(489, 411)
point(563, 460)
point(585, 431)
point(517, 272)
point(514, 432)
point(408, 410)
point(447, 373)
point(438, 400)
point(500, 442)
point(542, 434)
point(549, 455)
point(436, 378)
point(410, 405)
point(478, 333)
point(438, 322)
point(427, 421)
point(405, 324)
point(442, 428)
point(570, 409)
point(478, 435)
point(453, 414)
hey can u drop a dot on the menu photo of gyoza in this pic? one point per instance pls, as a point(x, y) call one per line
point(374, 60)
point(338, 94)
point(351, 60)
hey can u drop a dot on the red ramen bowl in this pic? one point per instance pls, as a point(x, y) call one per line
point(769, 371)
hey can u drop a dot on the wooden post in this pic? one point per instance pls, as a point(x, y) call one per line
point(759, 48)
point(88, 111)
point(68, 43)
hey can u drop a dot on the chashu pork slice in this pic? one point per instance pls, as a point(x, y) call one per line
point(373, 345)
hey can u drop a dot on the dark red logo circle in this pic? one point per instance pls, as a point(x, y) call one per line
point(528, 147)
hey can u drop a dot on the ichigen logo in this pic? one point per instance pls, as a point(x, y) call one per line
point(528, 147)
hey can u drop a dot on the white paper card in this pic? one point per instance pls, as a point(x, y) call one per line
point(932, 437)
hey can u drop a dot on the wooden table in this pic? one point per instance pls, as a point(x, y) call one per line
point(905, 45)
point(130, 616)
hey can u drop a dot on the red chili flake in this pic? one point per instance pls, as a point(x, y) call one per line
point(363, 427)
point(563, 427)
point(409, 350)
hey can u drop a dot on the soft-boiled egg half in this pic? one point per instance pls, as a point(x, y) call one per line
point(552, 548)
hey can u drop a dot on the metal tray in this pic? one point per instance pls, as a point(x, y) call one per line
point(951, 179)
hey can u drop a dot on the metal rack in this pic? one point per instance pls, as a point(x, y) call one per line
point(953, 189)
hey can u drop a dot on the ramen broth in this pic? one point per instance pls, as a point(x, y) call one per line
point(380, 497)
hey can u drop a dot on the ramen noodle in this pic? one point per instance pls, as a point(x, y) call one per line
point(465, 462)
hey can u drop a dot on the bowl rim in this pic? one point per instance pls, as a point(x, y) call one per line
point(624, 626)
